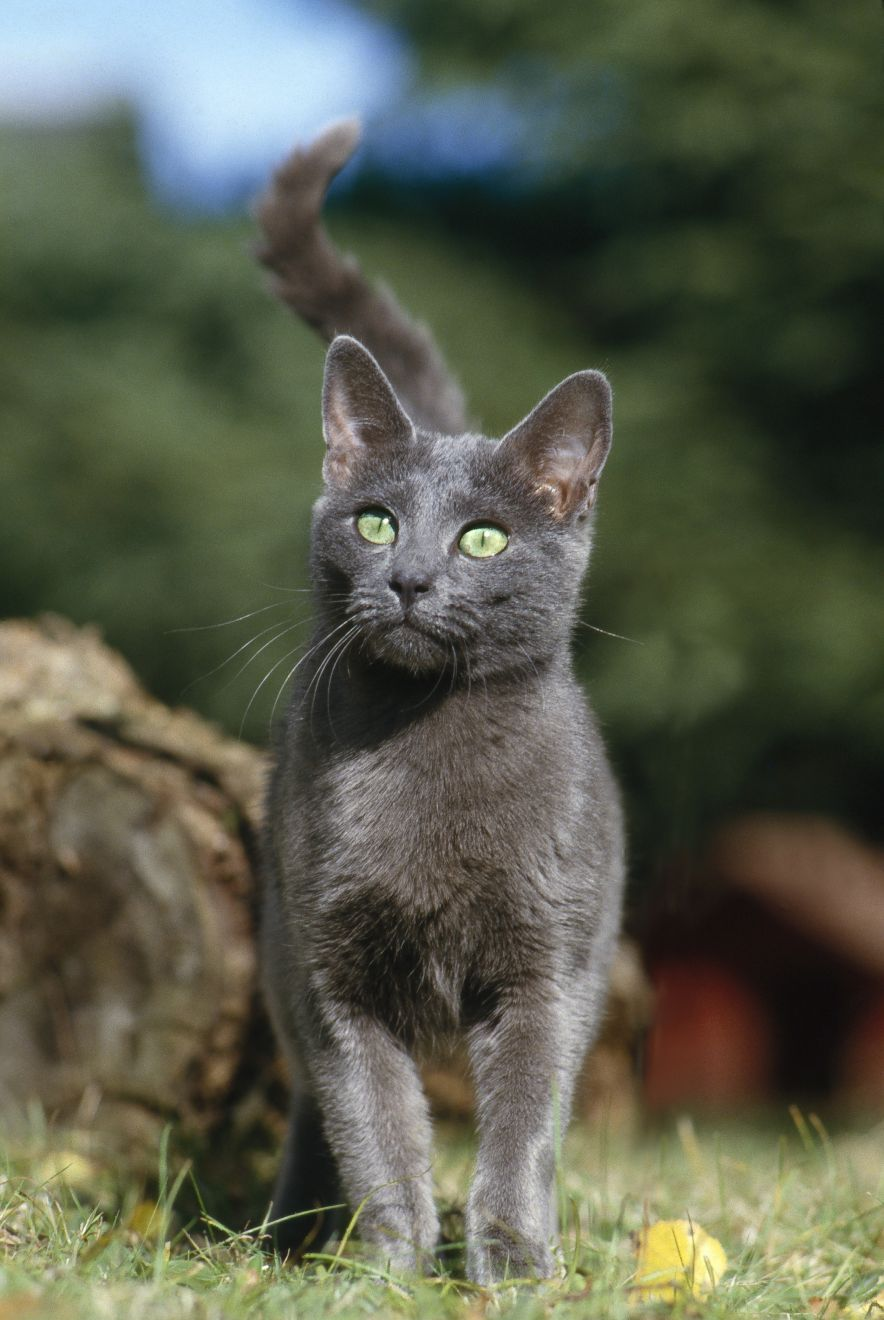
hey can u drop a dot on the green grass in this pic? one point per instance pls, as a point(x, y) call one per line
point(799, 1213)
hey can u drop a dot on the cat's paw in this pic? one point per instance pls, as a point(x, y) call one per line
point(400, 1240)
point(499, 1255)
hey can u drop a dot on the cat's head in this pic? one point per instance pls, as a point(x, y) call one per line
point(455, 551)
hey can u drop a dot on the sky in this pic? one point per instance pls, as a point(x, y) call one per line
point(221, 89)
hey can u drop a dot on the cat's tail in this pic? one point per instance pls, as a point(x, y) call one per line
point(329, 291)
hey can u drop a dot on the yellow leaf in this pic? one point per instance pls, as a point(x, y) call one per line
point(69, 1168)
point(676, 1259)
point(146, 1221)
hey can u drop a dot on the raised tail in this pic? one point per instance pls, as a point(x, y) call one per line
point(329, 291)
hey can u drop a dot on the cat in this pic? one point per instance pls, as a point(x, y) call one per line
point(443, 849)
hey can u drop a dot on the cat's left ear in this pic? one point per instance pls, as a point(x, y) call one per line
point(561, 446)
point(360, 411)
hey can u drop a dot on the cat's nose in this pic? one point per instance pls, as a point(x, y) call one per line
point(408, 587)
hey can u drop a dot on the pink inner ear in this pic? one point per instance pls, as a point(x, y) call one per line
point(338, 424)
point(562, 458)
point(563, 443)
point(336, 466)
point(570, 474)
point(567, 494)
point(556, 471)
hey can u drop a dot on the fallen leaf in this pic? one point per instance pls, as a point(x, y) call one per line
point(69, 1168)
point(676, 1258)
point(146, 1221)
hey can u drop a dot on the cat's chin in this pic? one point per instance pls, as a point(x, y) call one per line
point(406, 647)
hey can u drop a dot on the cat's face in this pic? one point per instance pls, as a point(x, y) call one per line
point(458, 553)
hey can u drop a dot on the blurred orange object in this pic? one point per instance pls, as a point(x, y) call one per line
point(710, 1042)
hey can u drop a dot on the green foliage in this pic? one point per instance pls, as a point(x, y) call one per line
point(799, 1216)
point(135, 358)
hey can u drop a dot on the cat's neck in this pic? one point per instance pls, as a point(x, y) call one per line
point(361, 702)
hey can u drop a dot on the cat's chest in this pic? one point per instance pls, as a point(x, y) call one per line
point(423, 957)
point(415, 815)
point(438, 863)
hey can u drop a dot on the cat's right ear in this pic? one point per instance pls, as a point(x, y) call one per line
point(360, 411)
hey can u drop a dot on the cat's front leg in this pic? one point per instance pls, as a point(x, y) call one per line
point(376, 1120)
point(524, 1060)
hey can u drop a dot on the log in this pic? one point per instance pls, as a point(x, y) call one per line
point(128, 986)
point(127, 964)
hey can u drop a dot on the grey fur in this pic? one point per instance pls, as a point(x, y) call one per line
point(329, 290)
point(444, 845)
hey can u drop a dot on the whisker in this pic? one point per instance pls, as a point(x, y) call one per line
point(242, 669)
point(275, 586)
point(279, 693)
point(326, 660)
point(240, 649)
point(273, 670)
point(423, 701)
point(225, 623)
point(454, 670)
point(581, 623)
point(293, 669)
point(336, 596)
point(317, 673)
point(348, 638)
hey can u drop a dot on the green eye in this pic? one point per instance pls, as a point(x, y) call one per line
point(483, 542)
point(377, 526)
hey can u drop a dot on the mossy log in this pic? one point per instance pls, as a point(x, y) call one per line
point(127, 954)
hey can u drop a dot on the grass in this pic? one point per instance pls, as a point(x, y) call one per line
point(799, 1212)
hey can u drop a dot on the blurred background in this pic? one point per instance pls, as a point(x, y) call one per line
point(688, 199)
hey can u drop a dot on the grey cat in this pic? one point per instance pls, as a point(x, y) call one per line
point(444, 845)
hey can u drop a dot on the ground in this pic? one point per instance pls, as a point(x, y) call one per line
point(798, 1212)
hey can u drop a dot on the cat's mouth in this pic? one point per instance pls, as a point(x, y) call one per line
point(411, 623)
point(411, 644)
point(412, 627)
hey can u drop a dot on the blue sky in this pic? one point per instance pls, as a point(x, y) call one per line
point(221, 88)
